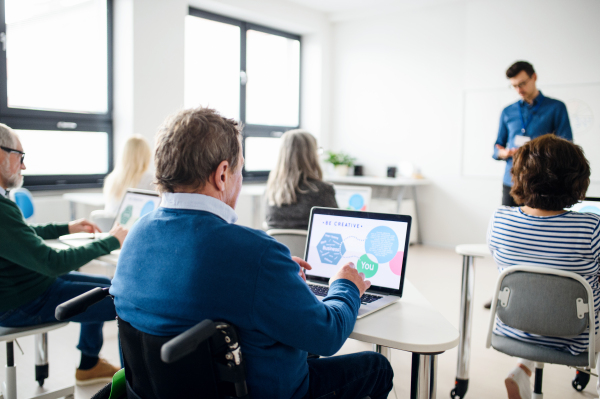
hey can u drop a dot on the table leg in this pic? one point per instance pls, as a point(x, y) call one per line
point(73, 209)
point(414, 196)
point(423, 376)
point(400, 197)
point(387, 352)
point(464, 328)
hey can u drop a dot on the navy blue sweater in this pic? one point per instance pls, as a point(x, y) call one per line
point(180, 266)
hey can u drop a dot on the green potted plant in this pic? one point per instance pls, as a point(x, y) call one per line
point(341, 162)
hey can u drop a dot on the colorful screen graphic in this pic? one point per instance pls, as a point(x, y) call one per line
point(135, 206)
point(376, 247)
point(587, 206)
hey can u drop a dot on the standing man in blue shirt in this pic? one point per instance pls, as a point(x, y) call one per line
point(188, 261)
point(532, 116)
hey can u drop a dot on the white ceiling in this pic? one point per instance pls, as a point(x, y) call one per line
point(350, 9)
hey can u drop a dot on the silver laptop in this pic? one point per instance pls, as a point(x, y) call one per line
point(135, 204)
point(377, 243)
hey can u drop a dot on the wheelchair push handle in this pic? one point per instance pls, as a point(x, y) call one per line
point(187, 342)
point(80, 303)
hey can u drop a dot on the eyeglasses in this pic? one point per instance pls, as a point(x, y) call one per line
point(520, 85)
point(9, 150)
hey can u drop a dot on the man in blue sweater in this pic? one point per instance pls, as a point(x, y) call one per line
point(187, 261)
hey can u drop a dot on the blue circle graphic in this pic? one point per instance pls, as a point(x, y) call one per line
point(356, 202)
point(591, 209)
point(147, 208)
point(382, 243)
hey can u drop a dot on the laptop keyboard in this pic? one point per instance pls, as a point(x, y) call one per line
point(320, 290)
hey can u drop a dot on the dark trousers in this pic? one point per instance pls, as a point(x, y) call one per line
point(41, 310)
point(351, 376)
point(507, 200)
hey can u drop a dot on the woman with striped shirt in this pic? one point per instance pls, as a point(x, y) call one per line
point(549, 175)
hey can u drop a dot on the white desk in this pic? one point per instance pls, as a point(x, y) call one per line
point(410, 325)
point(395, 186)
point(111, 258)
point(93, 199)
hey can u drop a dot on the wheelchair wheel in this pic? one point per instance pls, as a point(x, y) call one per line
point(580, 381)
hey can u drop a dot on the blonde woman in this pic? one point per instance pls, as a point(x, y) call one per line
point(296, 183)
point(131, 172)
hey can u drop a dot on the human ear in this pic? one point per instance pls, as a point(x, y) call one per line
point(221, 175)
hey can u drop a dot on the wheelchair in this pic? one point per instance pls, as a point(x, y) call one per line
point(203, 362)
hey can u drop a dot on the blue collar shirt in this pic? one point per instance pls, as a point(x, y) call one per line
point(547, 116)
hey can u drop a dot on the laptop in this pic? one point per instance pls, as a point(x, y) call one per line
point(355, 198)
point(589, 204)
point(135, 204)
point(377, 243)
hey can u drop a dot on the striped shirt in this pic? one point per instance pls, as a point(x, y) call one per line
point(569, 241)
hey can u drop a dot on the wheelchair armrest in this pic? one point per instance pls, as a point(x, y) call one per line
point(80, 303)
point(187, 342)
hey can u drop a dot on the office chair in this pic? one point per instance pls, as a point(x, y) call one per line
point(24, 200)
point(294, 239)
point(548, 302)
point(204, 361)
point(103, 219)
point(40, 331)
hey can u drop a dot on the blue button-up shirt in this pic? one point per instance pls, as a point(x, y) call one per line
point(550, 117)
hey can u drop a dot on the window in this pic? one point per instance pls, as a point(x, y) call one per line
point(55, 88)
point(247, 72)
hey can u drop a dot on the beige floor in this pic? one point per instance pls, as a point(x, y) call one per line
point(435, 272)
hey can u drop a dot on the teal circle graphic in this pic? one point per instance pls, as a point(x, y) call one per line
point(366, 266)
point(382, 243)
point(590, 209)
point(147, 208)
point(356, 202)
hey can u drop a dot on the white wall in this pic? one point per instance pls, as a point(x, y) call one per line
point(399, 79)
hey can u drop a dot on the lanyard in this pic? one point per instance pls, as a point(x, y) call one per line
point(533, 111)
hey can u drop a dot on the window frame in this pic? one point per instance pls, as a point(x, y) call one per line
point(32, 119)
point(253, 130)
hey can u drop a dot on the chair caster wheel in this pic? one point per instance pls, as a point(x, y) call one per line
point(460, 389)
point(580, 381)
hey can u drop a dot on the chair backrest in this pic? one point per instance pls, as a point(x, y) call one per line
point(201, 372)
point(24, 200)
point(544, 301)
point(103, 219)
point(295, 240)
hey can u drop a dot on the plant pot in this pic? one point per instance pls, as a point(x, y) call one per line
point(341, 170)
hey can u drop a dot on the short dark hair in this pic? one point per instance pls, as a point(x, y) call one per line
point(191, 144)
point(550, 173)
point(519, 66)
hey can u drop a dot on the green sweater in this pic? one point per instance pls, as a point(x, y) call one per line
point(27, 265)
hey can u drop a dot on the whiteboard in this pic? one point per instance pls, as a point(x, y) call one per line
point(482, 109)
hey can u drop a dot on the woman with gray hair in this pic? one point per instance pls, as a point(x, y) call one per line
point(296, 183)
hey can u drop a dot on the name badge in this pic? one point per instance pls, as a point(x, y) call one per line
point(520, 140)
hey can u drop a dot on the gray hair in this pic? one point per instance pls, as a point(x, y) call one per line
point(297, 163)
point(7, 136)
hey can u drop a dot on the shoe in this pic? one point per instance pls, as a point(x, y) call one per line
point(488, 304)
point(103, 371)
point(518, 384)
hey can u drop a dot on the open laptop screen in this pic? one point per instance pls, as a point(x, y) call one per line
point(136, 204)
point(590, 204)
point(376, 243)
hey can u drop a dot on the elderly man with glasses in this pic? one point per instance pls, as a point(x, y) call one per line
point(35, 278)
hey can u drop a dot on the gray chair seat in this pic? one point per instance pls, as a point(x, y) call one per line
point(537, 353)
point(12, 333)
